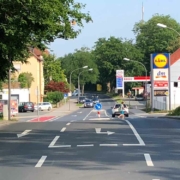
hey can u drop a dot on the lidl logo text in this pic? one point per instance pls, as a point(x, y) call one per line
point(160, 61)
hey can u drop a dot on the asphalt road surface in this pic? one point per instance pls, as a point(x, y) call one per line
point(82, 146)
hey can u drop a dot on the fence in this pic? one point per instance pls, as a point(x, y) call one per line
point(160, 105)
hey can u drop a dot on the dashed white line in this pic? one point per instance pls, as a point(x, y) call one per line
point(108, 144)
point(54, 141)
point(68, 124)
point(86, 145)
point(88, 115)
point(148, 160)
point(141, 142)
point(63, 129)
point(41, 161)
point(155, 179)
point(61, 146)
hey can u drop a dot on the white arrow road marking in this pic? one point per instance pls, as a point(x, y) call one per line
point(98, 131)
point(23, 133)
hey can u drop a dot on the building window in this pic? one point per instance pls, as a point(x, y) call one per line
point(17, 66)
point(175, 84)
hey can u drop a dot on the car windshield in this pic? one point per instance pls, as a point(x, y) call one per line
point(81, 98)
point(88, 100)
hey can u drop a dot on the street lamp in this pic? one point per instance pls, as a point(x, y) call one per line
point(84, 67)
point(165, 26)
point(79, 81)
point(126, 59)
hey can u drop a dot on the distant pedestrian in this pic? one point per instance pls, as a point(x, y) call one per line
point(121, 111)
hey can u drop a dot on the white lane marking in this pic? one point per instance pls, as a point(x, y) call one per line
point(141, 142)
point(96, 119)
point(85, 145)
point(54, 141)
point(63, 129)
point(155, 179)
point(108, 145)
point(68, 124)
point(106, 113)
point(73, 121)
point(74, 115)
point(23, 133)
point(88, 115)
point(41, 161)
point(60, 146)
point(79, 112)
point(148, 160)
point(133, 145)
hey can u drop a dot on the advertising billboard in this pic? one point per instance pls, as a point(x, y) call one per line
point(119, 79)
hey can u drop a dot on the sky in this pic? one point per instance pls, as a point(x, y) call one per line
point(114, 18)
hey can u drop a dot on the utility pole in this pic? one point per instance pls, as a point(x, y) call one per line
point(9, 94)
point(142, 12)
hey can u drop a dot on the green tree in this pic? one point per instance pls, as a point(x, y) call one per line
point(109, 54)
point(54, 97)
point(152, 39)
point(80, 58)
point(30, 23)
point(25, 79)
point(52, 69)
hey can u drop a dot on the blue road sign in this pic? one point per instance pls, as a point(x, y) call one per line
point(98, 106)
point(65, 95)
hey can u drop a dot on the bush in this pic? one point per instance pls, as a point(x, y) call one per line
point(175, 112)
point(54, 97)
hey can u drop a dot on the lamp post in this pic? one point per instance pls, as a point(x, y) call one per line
point(79, 81)
point(126, 59)
point(165, 26)
point(84, 67)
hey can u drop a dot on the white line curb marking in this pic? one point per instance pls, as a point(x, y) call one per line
point(41, 161)
point(63, 129)
point(141, 142)
point(148, 160)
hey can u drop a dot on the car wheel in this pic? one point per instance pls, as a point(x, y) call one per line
point(49, 108)
point(113, 115)
point(32, 111)
point(127, 115)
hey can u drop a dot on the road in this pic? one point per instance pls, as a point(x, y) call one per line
point(81, 146)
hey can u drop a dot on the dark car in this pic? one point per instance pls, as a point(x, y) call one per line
point(81, 99)
point(26, 106)
point(95, 100)
point(88, 103)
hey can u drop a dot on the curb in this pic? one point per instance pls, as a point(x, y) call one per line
point(171, 117)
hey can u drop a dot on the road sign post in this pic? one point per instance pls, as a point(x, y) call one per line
point(98, 107)
point(65, 97)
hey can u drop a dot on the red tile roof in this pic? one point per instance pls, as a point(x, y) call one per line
point(175, 57)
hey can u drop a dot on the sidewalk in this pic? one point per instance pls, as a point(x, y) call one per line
point(65, 109)
point(138, 112)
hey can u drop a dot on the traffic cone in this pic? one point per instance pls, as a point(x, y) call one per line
point(99, 114)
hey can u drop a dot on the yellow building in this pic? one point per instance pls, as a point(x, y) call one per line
point(34, 66)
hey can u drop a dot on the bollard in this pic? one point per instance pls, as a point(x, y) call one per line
point(99, 114)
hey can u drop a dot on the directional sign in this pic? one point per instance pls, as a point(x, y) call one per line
point(65, 96)
point(98, 106)
point(98, 131)
point(23, 133)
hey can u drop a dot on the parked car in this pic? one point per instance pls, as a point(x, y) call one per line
point(115, 110)
point(26, 106)
point(82, 99)
point(88, 103)
point(43, 106)
point(139, 97)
